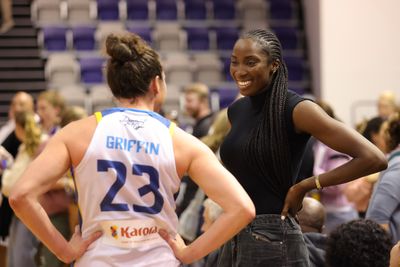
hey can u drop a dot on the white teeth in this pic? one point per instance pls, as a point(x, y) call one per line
point(243, 84)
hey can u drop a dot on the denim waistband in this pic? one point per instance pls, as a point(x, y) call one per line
point(274, 219)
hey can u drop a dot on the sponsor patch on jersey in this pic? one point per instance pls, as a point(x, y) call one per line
point(131, 233)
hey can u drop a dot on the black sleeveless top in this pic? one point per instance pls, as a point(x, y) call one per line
point(244, 115)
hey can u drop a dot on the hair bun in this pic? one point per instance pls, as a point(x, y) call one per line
point(118, 50)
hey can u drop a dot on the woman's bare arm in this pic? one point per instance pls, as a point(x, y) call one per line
point(367, 158)
point(219, 185)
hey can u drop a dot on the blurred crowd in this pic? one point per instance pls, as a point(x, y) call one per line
point(342, 225)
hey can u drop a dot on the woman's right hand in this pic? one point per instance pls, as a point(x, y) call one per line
point(294, 197)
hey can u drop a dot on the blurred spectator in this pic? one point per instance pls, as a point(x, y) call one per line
point(312, 216)
point(20, 102)
point(211, 213)
point(361, 243)
point(359, 191)
point(197, 106)
point(384, 207)
point(6, 12)
point(386, 104)
point(50, 106)
point(8, 139)
point(312, 222)
point(56, 202)
point(338, 209)
point(23, 244)
point(70, 114)
point(218, 130)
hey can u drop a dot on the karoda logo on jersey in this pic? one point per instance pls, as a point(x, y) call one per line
point(129, 232)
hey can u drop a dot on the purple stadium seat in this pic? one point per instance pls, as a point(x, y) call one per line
point(166, 10)
point(227, 62)
point(288, 37)
point(195, 10)
point(198, 38)
point(92, 69)
point(107, 9)
point(281, 9)
point(226, 37)
point(83, 37)
point(54, 38)
point(142, 31)
point(224, 9)
point(295, 67)
point(137, 9)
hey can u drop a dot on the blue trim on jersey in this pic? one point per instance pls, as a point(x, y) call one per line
point(155, 115)
point(71, 169)
point(76, 196)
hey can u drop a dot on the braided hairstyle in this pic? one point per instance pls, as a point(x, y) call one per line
point(132, 66)
point(267, 149)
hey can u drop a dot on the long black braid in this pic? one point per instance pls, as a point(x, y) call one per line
point(267, 149)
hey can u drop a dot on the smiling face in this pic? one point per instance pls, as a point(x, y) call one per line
point(250, 67)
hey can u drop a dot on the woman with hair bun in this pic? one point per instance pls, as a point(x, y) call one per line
point(127, 163)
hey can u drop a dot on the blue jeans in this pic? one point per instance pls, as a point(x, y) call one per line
point(266, 241)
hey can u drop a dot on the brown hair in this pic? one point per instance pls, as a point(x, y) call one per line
point(71, 114)
point(132, 66)
point(393, 131)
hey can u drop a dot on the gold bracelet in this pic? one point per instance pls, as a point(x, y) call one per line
point(317, 183)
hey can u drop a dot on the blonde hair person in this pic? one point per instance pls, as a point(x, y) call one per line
point(31, 131)
point(22, 244)
point(198, 88)
point(30, 134)
point(386, 104)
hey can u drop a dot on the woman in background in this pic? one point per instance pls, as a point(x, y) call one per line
point(23, 245)
point(384, 207)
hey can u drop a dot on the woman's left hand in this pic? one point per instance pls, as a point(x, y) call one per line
point(177, 245)
point(293, 201)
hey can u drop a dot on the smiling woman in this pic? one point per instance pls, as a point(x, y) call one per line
point(264, 149)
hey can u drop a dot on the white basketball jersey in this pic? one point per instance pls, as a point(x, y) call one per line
point(126, 183)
